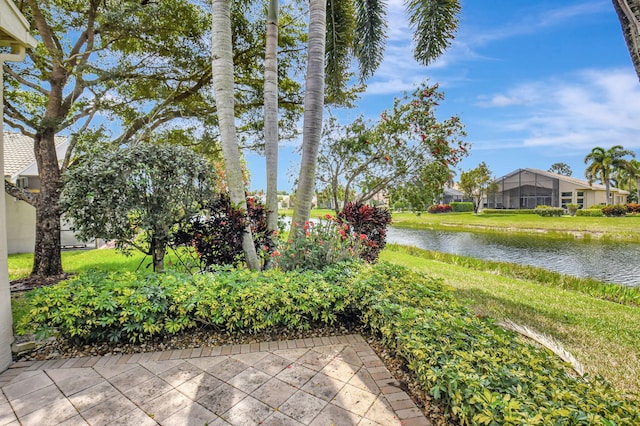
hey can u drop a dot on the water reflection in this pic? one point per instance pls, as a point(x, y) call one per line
point(613, 262)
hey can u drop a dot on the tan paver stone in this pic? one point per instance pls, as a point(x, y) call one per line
point(109, 372)
point(175, 354)
point(417, 421)
point(26, 383)
point(6, 414)
point(363, 380)
point(402, 404)
point(131, 378)
point(303, 407)
point(166, 405)
point(315, 360)
point(332, 415)
point(135, 417)
point(296, 375)
point(93, 396)
point(35, 400)
point(221, 399)
point(124, 359)
point(331, 350)
point(350, 356)
point(147, 391)
point(291, 354)
point(73, 380)
point(53, 414)
point(158, 367)
point(248, 412)
point(245, 348)
point(408, 413)
point(196, 352)
point(323, 386)
point(194, 414)
point(180, 373)
point(199, 386)
point(250, 358)
point(80, 362)
point(186, 353)
point(76, 420)
point(354, 399)
point(399, 395)
point(279, 419)
point(206, 363)
point(227, 369)
point(381, 412)
point(108, 410)
point(272, 364)
point(340, 370)
point(249, 380)
point(274, 393)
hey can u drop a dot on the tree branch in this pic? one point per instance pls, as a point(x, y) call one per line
point(19, 193)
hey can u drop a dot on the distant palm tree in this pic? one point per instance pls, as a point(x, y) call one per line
point(605, 164)
point(630, 177)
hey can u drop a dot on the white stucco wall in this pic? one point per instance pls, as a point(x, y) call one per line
point(21, 226)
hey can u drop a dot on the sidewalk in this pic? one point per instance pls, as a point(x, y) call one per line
point(320, 381)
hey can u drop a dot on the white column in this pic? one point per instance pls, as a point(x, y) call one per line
point(6, 319)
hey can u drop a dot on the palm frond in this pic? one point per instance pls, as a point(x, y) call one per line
point(371, 30)
point(434, 23)
point(340, 32)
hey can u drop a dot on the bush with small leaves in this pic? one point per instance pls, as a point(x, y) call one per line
point(371, 222)
point(616, 210)
point(440, 208)
point(459, 206)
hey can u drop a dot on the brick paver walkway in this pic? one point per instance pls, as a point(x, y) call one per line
point(320, 381)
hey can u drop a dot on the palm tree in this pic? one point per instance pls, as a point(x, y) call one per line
point(604, 164)
point(629, 15)
point(223, 86)
point(630, 177)
point(434, 23)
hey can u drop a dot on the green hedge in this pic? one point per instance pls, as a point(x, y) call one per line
point(481, 373)
point(508, 211)
point(459, 206)
point(546, 211)
point(590, 212)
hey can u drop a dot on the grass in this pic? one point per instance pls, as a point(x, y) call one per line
point(617, 228)
point(603, 335)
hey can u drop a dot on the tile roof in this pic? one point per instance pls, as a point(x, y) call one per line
point(18, 152)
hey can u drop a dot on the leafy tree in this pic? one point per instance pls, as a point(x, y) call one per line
point(332, 38)
point(475, 183)
point(629, 176)
point(407, 151)
point(136, 195)
point(629, 15)
point(604, 164)
point(561, 169)
point(145, 65)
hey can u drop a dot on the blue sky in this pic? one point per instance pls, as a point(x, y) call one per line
point(534, 82)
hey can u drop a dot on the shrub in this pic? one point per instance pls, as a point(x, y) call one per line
point(440, 208)
point(589, 212)
point(616, 210)
point(217, 238)
point(573, 208)
point(324, 244)
point(369, 221)
point(482, 374)
point(508, 211)
point(457, 206)
point(547, 211)
point(633, 208)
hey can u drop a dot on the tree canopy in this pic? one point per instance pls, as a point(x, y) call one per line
point(475, 184)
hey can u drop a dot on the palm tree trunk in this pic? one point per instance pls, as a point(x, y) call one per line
point(271, 116)
point(313, 108)
point(223, 80)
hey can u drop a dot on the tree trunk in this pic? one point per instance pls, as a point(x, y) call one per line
point(313, 109)
point(47, 252)
point(223, 80)
point(271, 118)
point(629, 16)
point(158, 249)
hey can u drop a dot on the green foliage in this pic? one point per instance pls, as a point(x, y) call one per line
point(476, 183)
point(548, 211)
point(322, 244)
point(145, 188)
point(476, 369)
point(440, 208)
point(460, 207)
point(617, 210)
point(369, 221)
point(508, 211)
point(590, 212)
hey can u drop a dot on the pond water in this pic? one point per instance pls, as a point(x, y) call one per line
point(612, 262)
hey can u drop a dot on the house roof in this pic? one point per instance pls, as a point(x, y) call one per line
point(14, 28)
point(19, 158)
point(578, 183)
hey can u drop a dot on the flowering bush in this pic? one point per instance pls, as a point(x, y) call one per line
point(617, 210)
point(369, 221)
point(633, 208)
point(325, 243)
point(440, 208)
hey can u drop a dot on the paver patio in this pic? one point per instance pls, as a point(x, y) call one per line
point(316, 381)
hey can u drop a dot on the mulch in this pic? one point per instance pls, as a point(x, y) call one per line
point(31, 282)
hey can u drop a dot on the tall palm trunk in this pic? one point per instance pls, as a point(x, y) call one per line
point(271, 116)
point(313, 106)
point(47, 256)
point(223, 80)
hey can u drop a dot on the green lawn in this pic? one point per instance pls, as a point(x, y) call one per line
point(604, 336)
point(623, 228)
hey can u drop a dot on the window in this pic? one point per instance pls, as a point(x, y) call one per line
point(566, 198)
point(580, 199)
